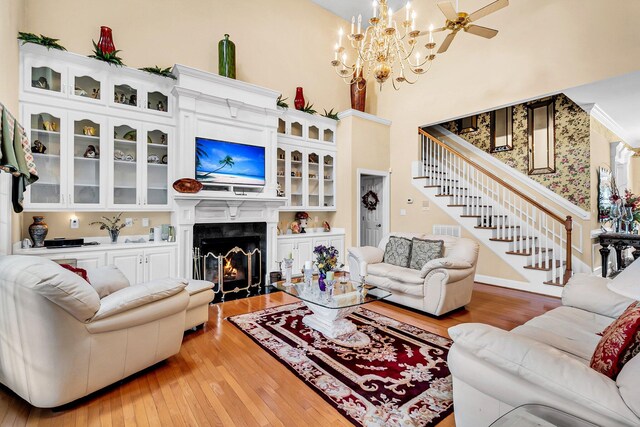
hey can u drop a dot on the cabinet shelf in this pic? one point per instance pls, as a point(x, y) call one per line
point(152, 144)
point(86, 137)
point(89, 159)
point(51, 156)
point(45, 132)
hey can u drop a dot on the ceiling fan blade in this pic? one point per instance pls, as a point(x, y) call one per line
point(487, 33)
point(488, 9)
point(447, 41)
point(448, 10)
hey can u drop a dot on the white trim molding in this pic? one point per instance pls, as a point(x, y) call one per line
point(606, 120)
point(5, 214)
point(366, 116)
point(517, 175)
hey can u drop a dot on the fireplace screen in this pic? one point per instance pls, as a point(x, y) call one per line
point(236, 270)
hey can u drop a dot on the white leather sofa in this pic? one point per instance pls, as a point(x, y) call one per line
point(443, 284)
point(59, 341)
point(546, 361)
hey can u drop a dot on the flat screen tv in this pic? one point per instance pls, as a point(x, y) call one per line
point(229, 163)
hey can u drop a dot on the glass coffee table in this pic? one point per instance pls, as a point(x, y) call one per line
point(331, 307)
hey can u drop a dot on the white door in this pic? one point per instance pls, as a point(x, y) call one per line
point(158, 263)
point(371, 220)
point(338, 243)
point(130, 263)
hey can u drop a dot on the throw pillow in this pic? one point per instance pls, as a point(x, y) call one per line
point(618, 343)
point(398, 251)
point(423, 251)
point(107, 280)
point(79, 271)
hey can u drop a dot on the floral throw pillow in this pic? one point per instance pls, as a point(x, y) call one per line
point(619, 343)
point(423, 251)
point(398, 251)
point(79, 271)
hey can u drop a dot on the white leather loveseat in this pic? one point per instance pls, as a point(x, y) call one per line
point(59, 341)
point(442, 285)
point(546, 361)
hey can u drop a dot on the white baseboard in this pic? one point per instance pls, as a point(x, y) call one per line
point(554, 291)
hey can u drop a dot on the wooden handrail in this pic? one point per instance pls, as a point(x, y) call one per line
point(567, 222)
point(495, 178)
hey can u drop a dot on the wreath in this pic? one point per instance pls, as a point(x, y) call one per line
point(370, 200)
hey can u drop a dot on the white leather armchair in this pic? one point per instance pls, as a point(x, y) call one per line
point(59, 341)
point(442, 285)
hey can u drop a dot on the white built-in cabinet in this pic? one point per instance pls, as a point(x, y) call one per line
point(306, 161)
point(73, 105)
point(300, 247)
point(138, 262)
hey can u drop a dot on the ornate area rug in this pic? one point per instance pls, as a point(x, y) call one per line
point(400, 379)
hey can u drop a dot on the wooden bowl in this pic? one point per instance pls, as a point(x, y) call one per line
point(187, 185)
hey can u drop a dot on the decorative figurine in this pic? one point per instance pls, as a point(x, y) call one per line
point(302, 217)
point(91, 152)
point(133, 100)
point(295, 227)
point(89, 131)
point(161, 106)
point(78, 91)
point(152, 158)
point(165, 159)
point(118, 155)
point(38, 147)
point(279, 191)
point(95, 94)
point(163, 139)
point(326, 226)
point(49, 126)
point(41, 83)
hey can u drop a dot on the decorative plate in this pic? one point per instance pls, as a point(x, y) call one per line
point(187, 185)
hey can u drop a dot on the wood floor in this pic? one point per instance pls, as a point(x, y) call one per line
point(222, 378)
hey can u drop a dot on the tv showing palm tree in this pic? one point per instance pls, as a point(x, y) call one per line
point(229, 163)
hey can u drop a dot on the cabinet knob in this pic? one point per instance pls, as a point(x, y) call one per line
point(139, 259)
point(146, 260)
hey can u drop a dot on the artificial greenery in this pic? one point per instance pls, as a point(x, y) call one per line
point(164, 72)
point(281, 102)
point(45, 41)
point(331, 115)
point(110, 224)
point(308, 108)
point(110, 58)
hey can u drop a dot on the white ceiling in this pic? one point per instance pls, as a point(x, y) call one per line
point(619, 99)
point(348, 8)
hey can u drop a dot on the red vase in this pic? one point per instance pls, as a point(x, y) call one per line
point(105, 44)
point(299, 101)
point(358, 92)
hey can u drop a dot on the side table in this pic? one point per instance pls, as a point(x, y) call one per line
point(619, 241)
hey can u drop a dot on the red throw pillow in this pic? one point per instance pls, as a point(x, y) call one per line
point(79, 271)
point(618, 343)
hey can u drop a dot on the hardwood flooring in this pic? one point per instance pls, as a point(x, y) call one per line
point(222, 378)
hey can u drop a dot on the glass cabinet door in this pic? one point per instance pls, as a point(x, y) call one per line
point(297, 170)
point(313, 176)
point(157, 158)
point(45, 78)
point(86, 87)
point(281, 171)
point(46, 128)
point(124, 94)
point(328, 181)
point(87, 169)
point(126, 138)
point(157, 101)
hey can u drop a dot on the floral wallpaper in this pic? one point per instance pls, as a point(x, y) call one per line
point(571, 180)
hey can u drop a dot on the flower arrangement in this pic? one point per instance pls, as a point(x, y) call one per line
point(112, 225)
point(628, 200)
point(326, 258)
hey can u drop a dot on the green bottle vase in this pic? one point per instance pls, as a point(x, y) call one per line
point(227, 58)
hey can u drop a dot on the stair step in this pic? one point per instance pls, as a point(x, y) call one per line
point(441, 179)
point(556, 282)
point(512, 239)
point(544, 266)
point(457, 206)
point(529, 252)
point(494, 227)
point(483, 216)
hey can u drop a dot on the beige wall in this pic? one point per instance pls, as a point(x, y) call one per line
point(59, 223)
point(11, 21)
point(535, 53)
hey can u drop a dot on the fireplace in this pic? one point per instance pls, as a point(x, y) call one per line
point(231, 256)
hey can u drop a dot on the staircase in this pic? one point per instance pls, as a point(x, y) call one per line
point(519, 229)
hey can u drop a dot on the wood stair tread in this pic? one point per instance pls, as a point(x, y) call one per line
point(483, 216)
point(557, 282)
point(495, 227)
point(512, 239)
point(529, 252)
point(544, 266)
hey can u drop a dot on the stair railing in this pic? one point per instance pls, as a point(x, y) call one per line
point(532, 228)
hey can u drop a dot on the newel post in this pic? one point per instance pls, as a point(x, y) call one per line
point(568, 226)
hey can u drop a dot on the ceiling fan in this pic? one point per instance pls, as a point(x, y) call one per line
point(457, 21)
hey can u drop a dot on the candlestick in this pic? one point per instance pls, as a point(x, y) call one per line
point(335, 52)
point(344, 60)
point(417, 58)
point(375, 8)
point(308, 265)
point(390, 14)
point(353, 23)
point(359, 23)
point(431, 33)
point(413, 20)
point(408, 9)
point(340, 33)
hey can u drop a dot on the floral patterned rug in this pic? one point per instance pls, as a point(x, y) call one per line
point(400, 379)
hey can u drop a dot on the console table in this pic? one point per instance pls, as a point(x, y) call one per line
point(619, 241)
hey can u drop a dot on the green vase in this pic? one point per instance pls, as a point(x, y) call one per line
point(227, 58)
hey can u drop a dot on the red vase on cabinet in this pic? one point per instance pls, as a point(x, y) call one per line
point(105, 44)
point(298, 102)
point(358, 92)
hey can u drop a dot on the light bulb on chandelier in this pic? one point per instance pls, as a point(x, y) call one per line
point(385, 49)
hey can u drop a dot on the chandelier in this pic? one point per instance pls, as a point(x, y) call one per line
point(386, 49)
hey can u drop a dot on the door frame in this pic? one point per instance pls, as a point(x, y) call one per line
point(385, 197)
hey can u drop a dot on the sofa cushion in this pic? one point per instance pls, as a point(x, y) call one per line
point(107, 280)
point(568, 329)
point(627, 382)
point(396, 287)
point(398, 251)
point(423, 251)
point(394, 272)
point(79, 271)
point(608, 358)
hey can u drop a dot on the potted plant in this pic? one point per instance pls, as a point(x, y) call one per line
point(112, 225)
